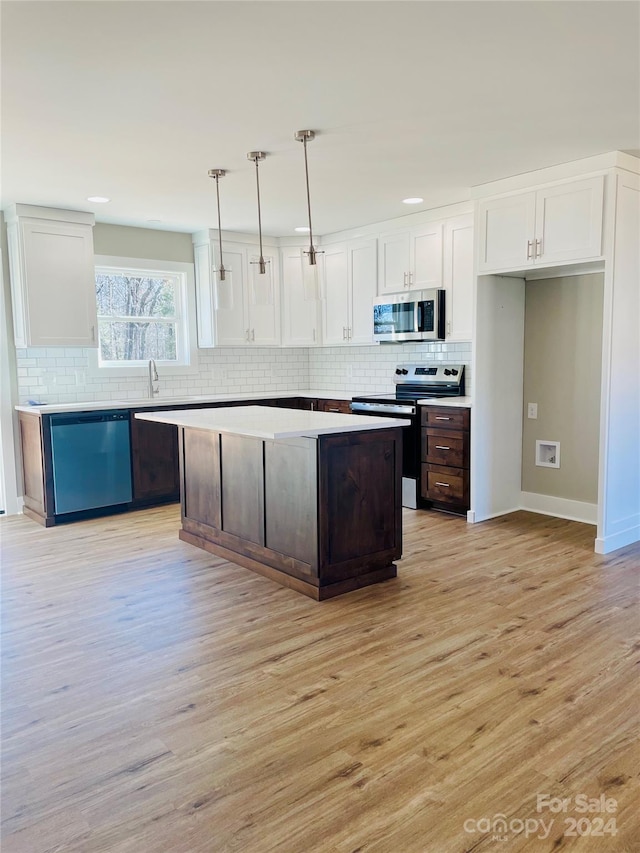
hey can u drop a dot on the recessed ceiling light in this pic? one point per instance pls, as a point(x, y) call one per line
point(412, 200)
point(303, 228)
point(98, 199)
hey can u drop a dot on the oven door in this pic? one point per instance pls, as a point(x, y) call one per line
point(410, 442)
point(395, 318)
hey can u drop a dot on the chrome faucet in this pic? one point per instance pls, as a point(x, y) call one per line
point(154, 386)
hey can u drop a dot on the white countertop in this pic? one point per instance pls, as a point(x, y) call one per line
point(456, 402)
point(269, 422)
point(145, 402)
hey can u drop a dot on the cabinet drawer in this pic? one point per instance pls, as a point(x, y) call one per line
point(445, 417)
point(445, 485)
point(445, 447)
point(340, 406)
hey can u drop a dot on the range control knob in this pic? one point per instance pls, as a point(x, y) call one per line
point(398, 372)
point(404, 372)
point(454, 372)
point(447, 372)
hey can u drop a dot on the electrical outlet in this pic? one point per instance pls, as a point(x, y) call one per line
point(532, 410)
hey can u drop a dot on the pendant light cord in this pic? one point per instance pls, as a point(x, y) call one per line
point(259, 215)
point(306, 173)
point(222, 270)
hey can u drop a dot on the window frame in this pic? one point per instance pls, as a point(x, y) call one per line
point(186, 347)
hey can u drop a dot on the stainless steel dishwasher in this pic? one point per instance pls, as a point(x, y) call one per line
point(91, 454)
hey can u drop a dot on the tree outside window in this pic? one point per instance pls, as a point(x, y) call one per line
point(139, 315)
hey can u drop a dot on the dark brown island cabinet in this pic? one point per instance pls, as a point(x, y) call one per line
point(321, 515)
point(445, 440)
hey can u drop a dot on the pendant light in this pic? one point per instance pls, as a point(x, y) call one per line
point(217, 174)
point(257, 156)
point(306, 136)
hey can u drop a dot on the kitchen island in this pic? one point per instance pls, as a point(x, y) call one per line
point(311, 500)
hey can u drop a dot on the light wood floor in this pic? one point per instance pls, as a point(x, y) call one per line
point(160, 700)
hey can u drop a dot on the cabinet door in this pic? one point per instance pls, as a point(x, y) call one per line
point(300, 302)
point(458, 277)
point(335, 308)
point(232, 326)
point(362, 285)
point(426, 256)
point(154, 460)
point(203, 263)
point(263, 299)
point(569, 221)
point(394, 262)
point(506, 233)
point(59, 285)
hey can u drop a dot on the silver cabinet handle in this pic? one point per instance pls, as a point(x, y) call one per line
point(253, 334)
point(93, 334)
point(530, 250)
point(443, 484)
point(349, 335)
point(246, 334)
point(442, 447)
point(410, 279)
point(442, 418)
point(538, 251)
point(405, 279)
point(314, 336)
point(313, 406)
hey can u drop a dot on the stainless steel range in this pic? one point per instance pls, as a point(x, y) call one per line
point(413, 382)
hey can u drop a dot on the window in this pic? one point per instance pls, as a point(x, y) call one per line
point(141, 315)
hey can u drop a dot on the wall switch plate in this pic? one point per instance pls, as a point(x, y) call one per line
point(532, 410)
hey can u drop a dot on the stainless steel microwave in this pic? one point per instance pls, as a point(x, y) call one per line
point(414, 316)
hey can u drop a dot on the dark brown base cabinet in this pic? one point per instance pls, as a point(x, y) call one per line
point(154, 458)
point(444, 481)
point(321, 516)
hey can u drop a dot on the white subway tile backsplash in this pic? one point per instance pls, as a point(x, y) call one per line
point(63, 375)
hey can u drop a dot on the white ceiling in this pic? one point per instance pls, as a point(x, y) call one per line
point(137, 100)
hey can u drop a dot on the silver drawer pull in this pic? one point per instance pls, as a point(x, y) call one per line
point(442, 447)
point(443, 484)
point(440, 418)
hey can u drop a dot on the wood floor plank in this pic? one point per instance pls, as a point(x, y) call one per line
point(158, 699)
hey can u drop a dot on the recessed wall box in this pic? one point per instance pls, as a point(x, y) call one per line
point(548, 454)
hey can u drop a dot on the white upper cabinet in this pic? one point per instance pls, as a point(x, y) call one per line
point(52, 277)
point(393, 261)
point(410, 259)
point(244, 309)
point(458, 279)
point(555, 225)
point(350, 280)
point(336, 298)
point(300, 298)
point(363, 270)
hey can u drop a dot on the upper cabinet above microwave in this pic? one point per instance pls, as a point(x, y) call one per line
point(410, 259)
point(555, 225)
point(436, 254)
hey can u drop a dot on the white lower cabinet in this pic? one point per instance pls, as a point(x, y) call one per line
point(244, 309)
point(300, 298)
point(554, 225)
point(53, 279)
point(350, 284)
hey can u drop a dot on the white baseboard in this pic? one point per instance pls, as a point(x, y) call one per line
point(559, 507)
point(474, 517)
point(607, 544)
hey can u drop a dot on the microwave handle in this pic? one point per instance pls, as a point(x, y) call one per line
point(418, 316)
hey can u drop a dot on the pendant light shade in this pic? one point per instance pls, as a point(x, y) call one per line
point(217, 174)
point(257, 156)
point(306, 136)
